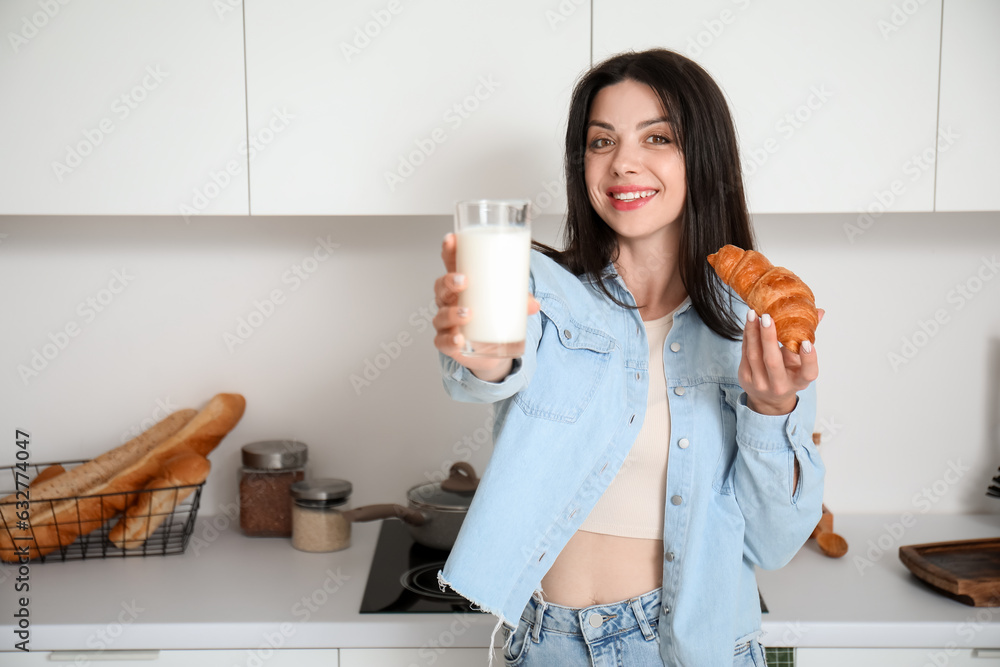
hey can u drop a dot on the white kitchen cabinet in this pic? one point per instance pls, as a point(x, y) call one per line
point(835, 103)
point(120, 107)
point(410, 657)
point(201, 658)
point(968, 169)
point(396, 107)
point(895, 657)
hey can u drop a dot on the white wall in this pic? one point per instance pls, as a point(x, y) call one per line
point(890, 432)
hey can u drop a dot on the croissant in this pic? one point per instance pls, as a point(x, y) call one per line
point(770, 289)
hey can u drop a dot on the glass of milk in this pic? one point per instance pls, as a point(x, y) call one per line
point(493, 238)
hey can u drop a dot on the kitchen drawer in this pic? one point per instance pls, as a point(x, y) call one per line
point(895, 657)
point(409, 657)
point(205, 658)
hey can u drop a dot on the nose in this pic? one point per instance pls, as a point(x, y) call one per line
point(626, 160)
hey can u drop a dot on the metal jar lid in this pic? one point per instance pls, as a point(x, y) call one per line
point(275, 454)
point(326, 492)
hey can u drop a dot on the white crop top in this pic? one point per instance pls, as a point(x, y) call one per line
point(633, 504)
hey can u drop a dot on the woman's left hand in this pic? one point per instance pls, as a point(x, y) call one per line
point(771, 374)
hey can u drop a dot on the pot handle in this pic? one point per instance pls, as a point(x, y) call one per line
point(461, 478)
point(386, 511)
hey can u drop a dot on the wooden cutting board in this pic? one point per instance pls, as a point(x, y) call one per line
point(966, 570)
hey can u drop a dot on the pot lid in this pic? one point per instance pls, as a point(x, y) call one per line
point(453, 494)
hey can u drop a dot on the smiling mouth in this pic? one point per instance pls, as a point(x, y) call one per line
point(631, 196)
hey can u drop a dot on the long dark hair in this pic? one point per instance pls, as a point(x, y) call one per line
point(715, 211)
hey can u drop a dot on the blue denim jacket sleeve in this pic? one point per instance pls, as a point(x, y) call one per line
point(463, 386)
point(778, 519)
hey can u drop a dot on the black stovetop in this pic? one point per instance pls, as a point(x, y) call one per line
point(403, 578)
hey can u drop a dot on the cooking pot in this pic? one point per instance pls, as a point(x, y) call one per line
point(435, 510)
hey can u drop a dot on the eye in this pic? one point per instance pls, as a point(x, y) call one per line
point(599, 143)
point(658, 139)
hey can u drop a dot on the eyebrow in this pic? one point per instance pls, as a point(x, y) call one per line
point(640, 126)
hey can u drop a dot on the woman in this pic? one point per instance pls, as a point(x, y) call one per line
point(585, 543)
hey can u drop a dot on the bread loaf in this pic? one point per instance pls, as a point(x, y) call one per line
point(152, 507)
point(60, 522)
point(47, 474)
point(46, 494)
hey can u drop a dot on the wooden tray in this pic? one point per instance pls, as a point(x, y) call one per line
point(967, 570)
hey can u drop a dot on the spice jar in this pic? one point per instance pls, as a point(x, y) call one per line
point(270, 467)
point(318, 522)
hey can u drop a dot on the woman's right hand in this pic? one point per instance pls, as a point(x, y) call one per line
point(448, 320)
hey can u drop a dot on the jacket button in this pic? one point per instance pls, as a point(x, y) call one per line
point(683, 443)
point(679, 391)
point(595, 620)
point(675, 347)
point(567, 333)
point(669, 556)
point(676, 500)
point(638, 377)
point(631, 419)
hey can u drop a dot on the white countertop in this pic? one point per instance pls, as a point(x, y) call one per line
point(230, 591)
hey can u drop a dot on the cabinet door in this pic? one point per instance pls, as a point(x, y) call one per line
point(969, 141)
point(408, 657)
point(120, 107)
point(832, 101)
point(893, 657)
point(204, 658)
point(393, 107)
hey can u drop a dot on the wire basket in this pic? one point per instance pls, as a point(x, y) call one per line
point(44, 534)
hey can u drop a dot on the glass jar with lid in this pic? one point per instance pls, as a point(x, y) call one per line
point(270, 468)
point(318, 521)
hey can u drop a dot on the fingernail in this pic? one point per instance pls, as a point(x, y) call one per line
point(751, 315)
point(459, 279)
point(807, 347)
point(765, 320)
point(457, 339)
point(463, 312)
point(446, 236)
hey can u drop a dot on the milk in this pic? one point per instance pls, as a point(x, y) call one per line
point(495, 261)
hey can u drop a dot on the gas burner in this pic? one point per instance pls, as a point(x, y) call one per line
point(423, 581)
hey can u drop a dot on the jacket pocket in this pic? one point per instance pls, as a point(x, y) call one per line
point(571, 362)
point(722, 481)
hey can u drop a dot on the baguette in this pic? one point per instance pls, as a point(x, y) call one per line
point(47, 474)
point(76, 482)
point(152, 508)
point(62, 522)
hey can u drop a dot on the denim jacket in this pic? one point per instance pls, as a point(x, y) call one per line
point(565, 418)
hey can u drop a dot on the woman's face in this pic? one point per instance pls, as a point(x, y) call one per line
point(633, 167)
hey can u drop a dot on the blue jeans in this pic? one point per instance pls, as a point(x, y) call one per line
point(620, 634)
